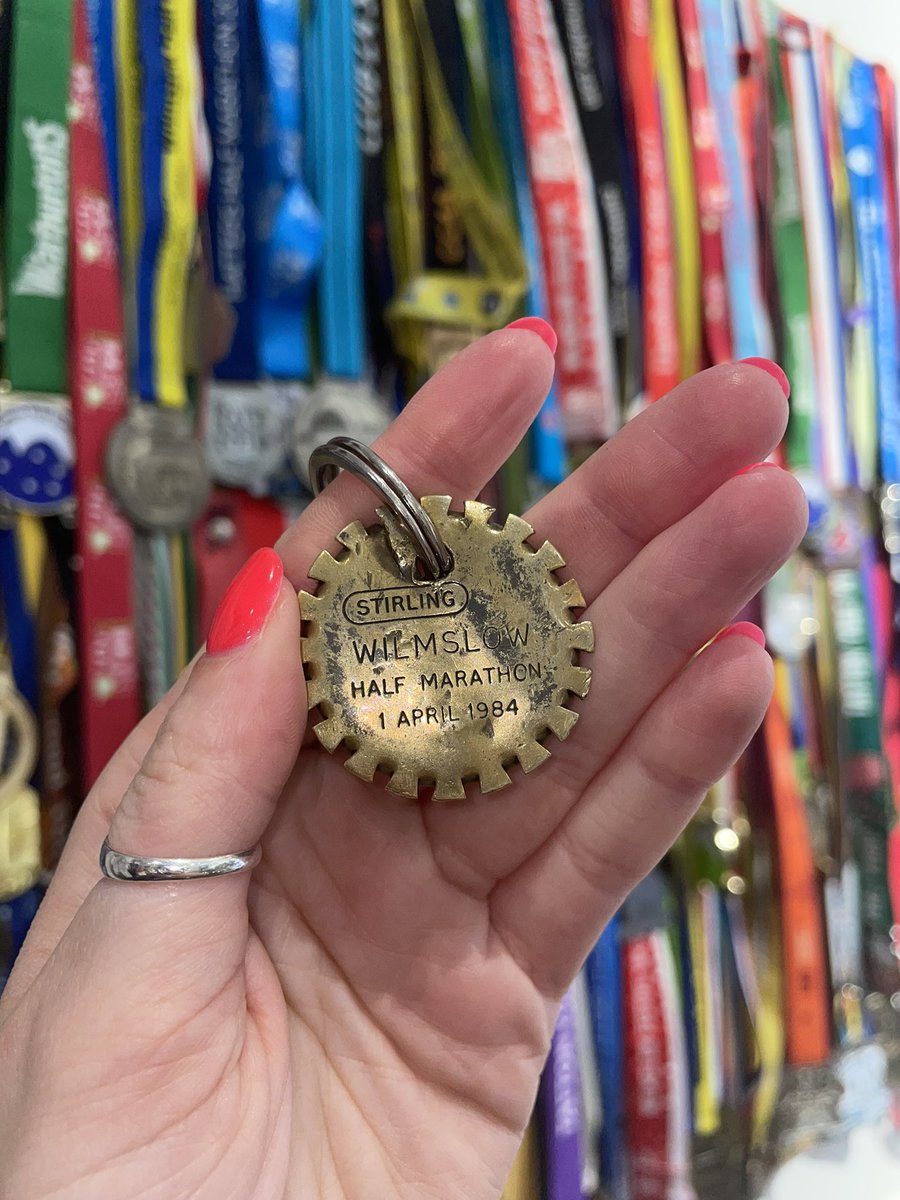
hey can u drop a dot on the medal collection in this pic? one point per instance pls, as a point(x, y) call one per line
point(234, 229)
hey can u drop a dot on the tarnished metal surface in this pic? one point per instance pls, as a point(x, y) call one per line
point(434, 683)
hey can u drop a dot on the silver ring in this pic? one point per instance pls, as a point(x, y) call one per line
point(350, 455)
point(136, 868)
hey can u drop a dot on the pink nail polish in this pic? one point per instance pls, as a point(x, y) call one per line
point(742, 629)
point(246, 605)
point(537, 325)
point(755, 467)
point(773, 369)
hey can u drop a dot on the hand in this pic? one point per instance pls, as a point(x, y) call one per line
point(368, 1013)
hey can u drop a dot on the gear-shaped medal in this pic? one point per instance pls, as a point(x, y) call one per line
point(442, 675)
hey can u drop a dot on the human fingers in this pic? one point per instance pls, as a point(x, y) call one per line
point(648, 623)
point(632, 812)
point(660, 466)
point(451, 438)
point(76, 873)
point(207, 786)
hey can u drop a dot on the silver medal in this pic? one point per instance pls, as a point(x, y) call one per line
point(247, 430)
point(156, 468)
point(336, 408)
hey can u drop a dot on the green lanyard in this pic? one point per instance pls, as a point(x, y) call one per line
point(790, 263)
point(864, 781)
point(37, 200)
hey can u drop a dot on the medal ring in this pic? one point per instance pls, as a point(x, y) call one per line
point(346, 453)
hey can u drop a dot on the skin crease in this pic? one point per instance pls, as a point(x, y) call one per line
point(368, 1014)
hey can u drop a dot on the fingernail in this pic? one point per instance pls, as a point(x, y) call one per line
point(247, 603)
point(539, 326)
point(773, 369)
point(742, 629)
point(755, 467)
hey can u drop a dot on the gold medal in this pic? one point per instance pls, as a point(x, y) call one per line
point(439, 647)
point(18, 736)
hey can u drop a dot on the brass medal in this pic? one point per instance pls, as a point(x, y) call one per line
point(435, 681)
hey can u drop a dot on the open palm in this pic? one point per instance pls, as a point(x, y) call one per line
point(368, 1013)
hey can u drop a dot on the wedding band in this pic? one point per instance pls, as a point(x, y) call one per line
point(136, 868)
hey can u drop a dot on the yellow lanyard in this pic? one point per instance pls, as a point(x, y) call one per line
point(128, 101)
point(524, 1178)
point(433, 297)
point(667, 61)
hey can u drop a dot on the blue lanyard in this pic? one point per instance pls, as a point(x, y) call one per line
point(861, 131)
point(288, 229)
point(225, 48)
point(749, 324)
point(101, 26)
point(338, 187)
point(155, 100)
point(604, 974)
point(20, 629)
point(548, 446)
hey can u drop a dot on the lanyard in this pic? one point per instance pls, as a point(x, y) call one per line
point(887, 107)
point(548, 445)
point(17, 618)
point(862, 769)
point(711, 191)
point(5, 51)
point(225, 43)
point(338, 184)
point(790, 264)
point(371, 79)
point(126, 77)
point(818, 223)
point(662, 351)
point(749, 322)
point(609, 74)
point(168, 190)
point(604, 974)
point(102, 19)
point(289, 229)
point(440, 301)
point(37, 198)
point(676, 130)
point(562, 1108)
point(568, 224)
point(577, 27)
point(863, 142)
point(589, 1078)
point(525, 1177)
point(808, 1037)
point(656, 1078)
point(107, 651)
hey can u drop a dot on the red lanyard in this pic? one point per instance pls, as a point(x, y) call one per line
point(712, 195)
point(234, 525)
point(98, 383)
point(564, 200)
point(659, 290)
point(655, 1076)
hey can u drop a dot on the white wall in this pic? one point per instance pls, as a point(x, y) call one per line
point(870, 28)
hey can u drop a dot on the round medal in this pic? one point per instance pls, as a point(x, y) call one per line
point(156, 468)
point(246, 432)
point(37, 454)
point(443, 679)
point(335, 408)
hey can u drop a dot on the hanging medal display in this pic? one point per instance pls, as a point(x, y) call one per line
point(439, 647)
point(156, 466)
point(36, 446)
point(341, 400)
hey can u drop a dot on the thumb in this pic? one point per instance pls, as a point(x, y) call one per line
point(150, 979)
point(209, 783)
